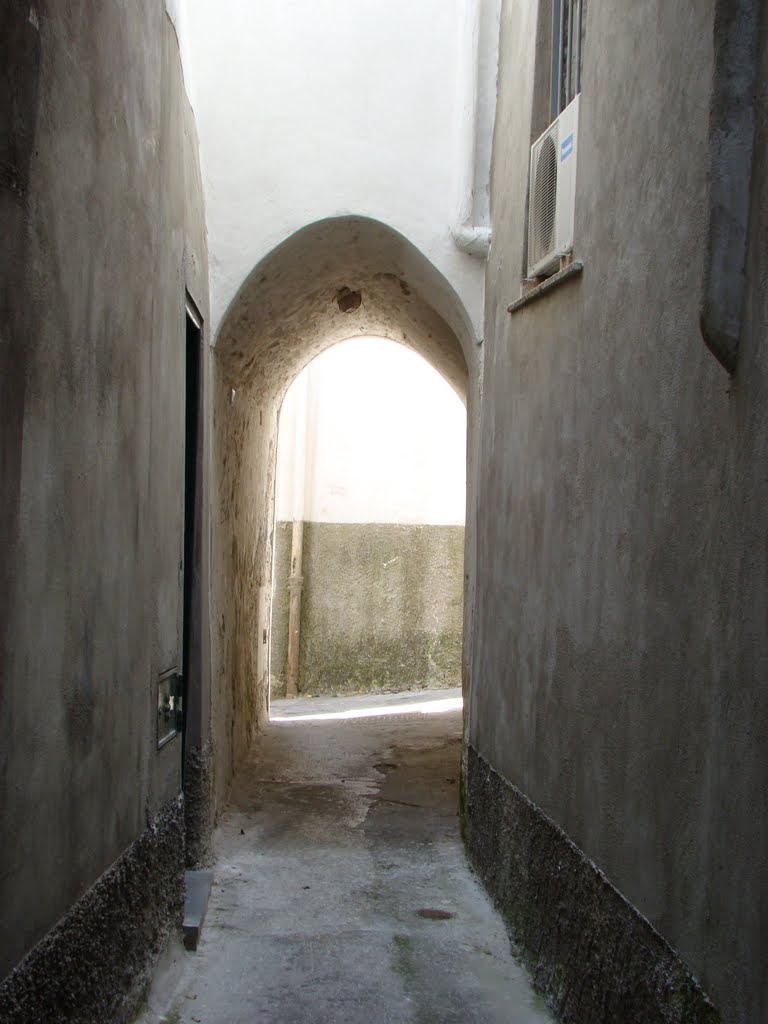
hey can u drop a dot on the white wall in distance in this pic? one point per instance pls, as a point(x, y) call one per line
point(308, 109)
point(382, 437)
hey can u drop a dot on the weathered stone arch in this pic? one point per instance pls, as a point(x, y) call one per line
point(336, 279)
point(292, 304)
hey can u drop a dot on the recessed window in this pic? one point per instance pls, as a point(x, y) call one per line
point(565, 80)
point(552, 182)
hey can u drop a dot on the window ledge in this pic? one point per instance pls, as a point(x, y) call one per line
point(566, 274)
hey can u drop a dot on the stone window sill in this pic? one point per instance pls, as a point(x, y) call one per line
point(566, 274)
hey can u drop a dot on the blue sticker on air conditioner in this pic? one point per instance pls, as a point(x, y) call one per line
point(566, 147)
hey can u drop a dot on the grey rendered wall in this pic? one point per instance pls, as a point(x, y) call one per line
point(102, 230)
point(620, 648)
point(381, 607)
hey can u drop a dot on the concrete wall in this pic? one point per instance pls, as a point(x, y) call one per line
point(381, 607)
point(102, 231)
point(620, 650)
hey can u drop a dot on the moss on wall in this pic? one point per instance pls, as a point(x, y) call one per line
point(381, 607)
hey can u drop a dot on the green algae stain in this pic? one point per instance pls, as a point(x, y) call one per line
point(382, 608)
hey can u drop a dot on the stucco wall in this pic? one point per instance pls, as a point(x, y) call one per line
point(102, 230)
point(620, 653)
point(243, 473)
point(381, 607)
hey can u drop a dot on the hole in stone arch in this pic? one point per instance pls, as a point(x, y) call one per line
point(348, 300)
point(367, 583)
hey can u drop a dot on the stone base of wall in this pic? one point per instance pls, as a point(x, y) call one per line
point(94, 965)
point(590, 953)
point(198, 805)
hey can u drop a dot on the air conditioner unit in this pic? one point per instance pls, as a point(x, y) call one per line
point(553, 193)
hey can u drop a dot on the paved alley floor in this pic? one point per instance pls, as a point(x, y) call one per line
point(341, 892)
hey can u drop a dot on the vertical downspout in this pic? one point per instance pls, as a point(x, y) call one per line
point(731, 146)
point(471, 233)
point(295, 578)
point(295, 584)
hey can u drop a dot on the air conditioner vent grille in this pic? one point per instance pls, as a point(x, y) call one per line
point(542, 223)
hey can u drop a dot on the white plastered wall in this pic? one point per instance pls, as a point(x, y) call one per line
point(370, 433)
point(308, 109)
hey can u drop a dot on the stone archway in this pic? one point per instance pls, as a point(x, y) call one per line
point(335, 279)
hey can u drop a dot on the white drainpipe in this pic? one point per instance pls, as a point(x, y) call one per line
point(471, 233)
point(473, 239)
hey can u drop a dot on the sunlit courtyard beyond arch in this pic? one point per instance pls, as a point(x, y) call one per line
point(369, 526)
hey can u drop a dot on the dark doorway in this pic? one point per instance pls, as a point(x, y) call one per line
point(191, 632)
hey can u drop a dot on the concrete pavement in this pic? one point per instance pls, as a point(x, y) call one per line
point(341, 892)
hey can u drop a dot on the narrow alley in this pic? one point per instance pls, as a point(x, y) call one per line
point(341, 888)
point(554, 213)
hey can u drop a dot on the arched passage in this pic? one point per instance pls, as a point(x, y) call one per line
point(333, 280)
point(370, 502)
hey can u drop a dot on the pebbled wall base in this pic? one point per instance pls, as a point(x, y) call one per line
point(589, 952)
point(198, 810)
point(94, 966)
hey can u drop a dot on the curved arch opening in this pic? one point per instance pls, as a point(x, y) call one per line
point(337, 279)
point(367, 582)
